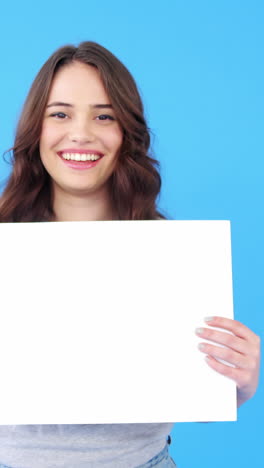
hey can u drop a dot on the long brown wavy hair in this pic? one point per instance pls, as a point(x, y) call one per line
point(135, 182)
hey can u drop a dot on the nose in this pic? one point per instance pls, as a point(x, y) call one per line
point(81, 132)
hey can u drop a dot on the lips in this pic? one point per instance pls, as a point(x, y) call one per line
point(80, 164)
point(80, 151)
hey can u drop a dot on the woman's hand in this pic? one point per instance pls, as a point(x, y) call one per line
point(242, 350)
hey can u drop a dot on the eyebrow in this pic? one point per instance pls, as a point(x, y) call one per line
point(94, 106)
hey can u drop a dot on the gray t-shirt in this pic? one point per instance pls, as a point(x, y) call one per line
point(81, 446)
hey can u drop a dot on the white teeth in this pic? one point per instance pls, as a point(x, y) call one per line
point(80, 157)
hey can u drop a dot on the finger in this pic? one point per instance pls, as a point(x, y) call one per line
point(240, 376)
point(237, 344)
point(228, 355)
point(238, 328)
point(233, 373)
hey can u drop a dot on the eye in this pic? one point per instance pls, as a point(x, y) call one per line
point(105, 117)
point(59, 115)
point(62, 115)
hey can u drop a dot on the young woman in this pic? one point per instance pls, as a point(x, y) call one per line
point(80, 154)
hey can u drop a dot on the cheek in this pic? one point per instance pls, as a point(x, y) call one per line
point(116, 140)
point(48, 138)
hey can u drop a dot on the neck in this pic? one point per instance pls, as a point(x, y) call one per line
point(76, 207)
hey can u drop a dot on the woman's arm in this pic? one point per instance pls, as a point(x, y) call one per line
point(242, 350)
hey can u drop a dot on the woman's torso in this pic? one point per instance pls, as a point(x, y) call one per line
point(81, 446)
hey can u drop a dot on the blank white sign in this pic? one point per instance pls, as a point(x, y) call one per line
point(98, 321)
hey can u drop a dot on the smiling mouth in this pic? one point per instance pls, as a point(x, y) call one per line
point(80, 157)
point(80, 161)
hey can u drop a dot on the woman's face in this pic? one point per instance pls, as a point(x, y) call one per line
point(80, 137)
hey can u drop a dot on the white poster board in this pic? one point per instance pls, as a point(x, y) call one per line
point(98, 321)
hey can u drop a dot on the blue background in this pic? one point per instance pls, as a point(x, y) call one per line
point(199, 68)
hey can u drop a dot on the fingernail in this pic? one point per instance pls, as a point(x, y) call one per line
point(201, 346)
point(199, 331)
point(208, 319)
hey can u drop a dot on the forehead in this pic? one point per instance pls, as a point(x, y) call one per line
point(78, 81)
